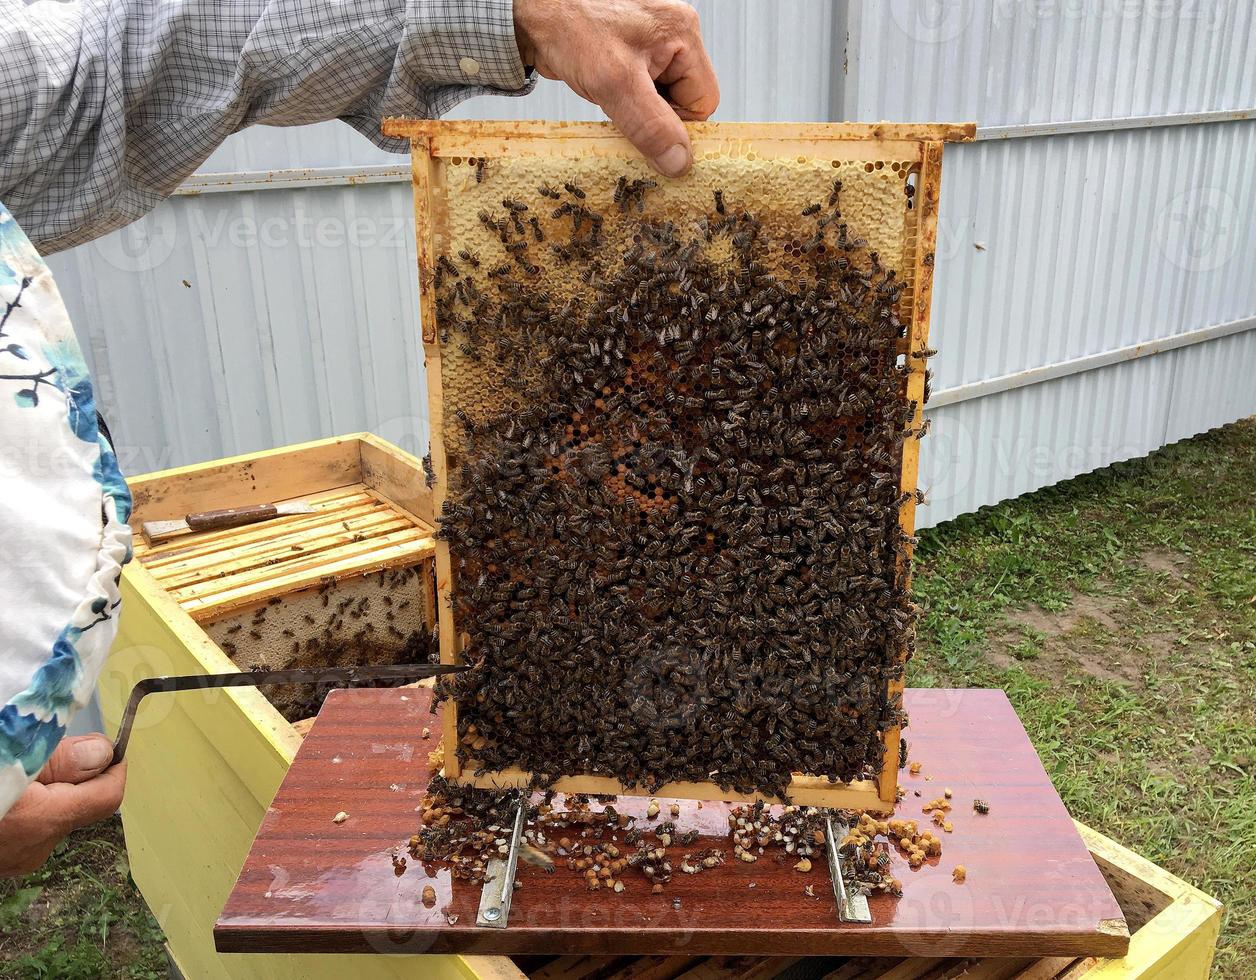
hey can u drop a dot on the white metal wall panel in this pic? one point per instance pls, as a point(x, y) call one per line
point(1214, 383)
point(984, 450)
point(1053, 248)
point(252, 320)
point(1062, 257)
point(1058, 254)
point(1020, 61)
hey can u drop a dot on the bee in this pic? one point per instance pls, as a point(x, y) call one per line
point(719, 202)
point(835, 192)
point(546, 191)
point(235, 629)
point(468, 256)
point(574, 191)
point(810, 209)
point(479, 170)
point(536, 229)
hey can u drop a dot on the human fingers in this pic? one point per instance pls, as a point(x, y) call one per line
point(74, 805)
point(76, 759)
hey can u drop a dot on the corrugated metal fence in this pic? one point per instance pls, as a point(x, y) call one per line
point(1095, 297)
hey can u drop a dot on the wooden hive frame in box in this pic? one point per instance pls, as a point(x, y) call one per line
point(914, 152)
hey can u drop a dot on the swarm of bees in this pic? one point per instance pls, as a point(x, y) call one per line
point(677, 549)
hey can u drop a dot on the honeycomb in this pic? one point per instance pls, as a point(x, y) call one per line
point(674, 417)
point(385, 617)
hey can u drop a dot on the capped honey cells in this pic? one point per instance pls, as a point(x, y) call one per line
point(674, 422)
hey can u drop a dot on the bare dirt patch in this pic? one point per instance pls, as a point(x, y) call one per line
point(1169, 563)
point(1078, 637)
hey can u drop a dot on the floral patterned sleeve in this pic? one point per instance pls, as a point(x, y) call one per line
point(63, 513)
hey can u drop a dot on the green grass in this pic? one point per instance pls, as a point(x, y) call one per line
point(1117, 610)
point(80, 916)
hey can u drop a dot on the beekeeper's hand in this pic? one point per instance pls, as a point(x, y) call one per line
point(613, 52)
point(77, 787)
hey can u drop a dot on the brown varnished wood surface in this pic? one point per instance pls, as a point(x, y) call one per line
point(312, 885)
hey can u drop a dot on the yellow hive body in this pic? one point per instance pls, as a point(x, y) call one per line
point(889, 196)
point(203, 766)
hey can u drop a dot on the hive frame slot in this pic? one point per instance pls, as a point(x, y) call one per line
point(432, 141)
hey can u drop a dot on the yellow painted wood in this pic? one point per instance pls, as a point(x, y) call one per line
point(504, 137)
point(1180, 941)
point(350, 563)
point(803, 790)
point(392, 473)
point(238, 481)
point(203, 767)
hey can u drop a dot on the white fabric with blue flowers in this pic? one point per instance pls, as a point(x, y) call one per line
point(63, 513)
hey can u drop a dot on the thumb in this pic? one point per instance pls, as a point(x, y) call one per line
point(78, 759)
point(648, 122)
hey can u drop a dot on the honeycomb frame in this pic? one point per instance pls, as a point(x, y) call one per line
point(437, 146)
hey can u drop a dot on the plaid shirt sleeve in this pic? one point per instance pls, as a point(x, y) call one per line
point(107, 105)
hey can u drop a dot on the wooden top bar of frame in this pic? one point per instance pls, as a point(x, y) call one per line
point(531, 129)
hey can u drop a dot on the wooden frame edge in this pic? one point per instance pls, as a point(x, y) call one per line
point(804, 790)
point(928, 197)
point(405, 128)
point(450, 647)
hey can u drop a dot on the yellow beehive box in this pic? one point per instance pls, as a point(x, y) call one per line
point(204, 767)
